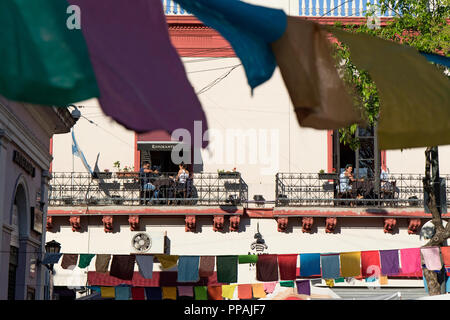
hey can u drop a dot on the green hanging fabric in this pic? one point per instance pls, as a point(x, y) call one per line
point(42, 61)
point(85, 260)
point(289, 284)
point(227, 269)
point(201, 293)
point(251, 258)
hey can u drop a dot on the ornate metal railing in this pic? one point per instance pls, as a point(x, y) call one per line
point(313, 189)
point(107, 188)
point(309, 8)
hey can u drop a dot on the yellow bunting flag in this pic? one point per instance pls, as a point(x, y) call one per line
point(167, 261)
point(350, 264)
point(383, 279)
point(258, 290)
point(108, 292)
point(169, 293)
point(228, 291)
point(414, 94)
point(329, 282)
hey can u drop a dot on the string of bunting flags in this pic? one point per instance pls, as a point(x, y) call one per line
point(221, 272)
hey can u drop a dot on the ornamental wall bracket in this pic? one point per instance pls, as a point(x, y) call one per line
point(330, 224)
point(133, 220)
point(234, 223)
point(414, 226)
point(49, 223)
point(75, 222)
point(307, 223)
point(389, 225)
point(218, 223)
point(108, 223)
point(282, 224)
point(190, 224)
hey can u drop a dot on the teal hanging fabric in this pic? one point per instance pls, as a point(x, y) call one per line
point(248, 28)
point(42, 61)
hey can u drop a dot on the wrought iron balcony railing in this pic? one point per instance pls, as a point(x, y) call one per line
point(128, 188)
point(309, 8)
point(313, 189)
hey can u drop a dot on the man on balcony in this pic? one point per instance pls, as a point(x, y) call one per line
point(145, 174)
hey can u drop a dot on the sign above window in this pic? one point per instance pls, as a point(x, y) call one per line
point(21, 161)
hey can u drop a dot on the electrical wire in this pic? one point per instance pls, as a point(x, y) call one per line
point(216, 81)
point(92, 122)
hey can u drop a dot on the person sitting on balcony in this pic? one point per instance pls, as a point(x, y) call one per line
point(145, 173)
point(346, 178)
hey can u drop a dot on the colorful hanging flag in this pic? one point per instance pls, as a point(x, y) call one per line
point(289, 284)
point(410, 260)
point(186, 291)
point(201, 293)
point(288, 266)
point(350, 264)
point(144, 68)
point(85, 260)
point(329, 282)
point(188, 268)
point(102, 262)
point(227, 269)
point(123, 293)
point(389, 262)
point(248, 28)
point(215, 292)
point(145, 264)
point(432, 258)
point(207, 264)
point(153, 293)
point(245, 291)
point(69, 261)
point(445, 251)
point(250, 258)
point(258, 290)
point(370, 264)
point(330, 265)
point(228, 291)
point(309, 264)
point(338, 280)
point(414, 94)
point(137, 293)
point(303, 287)
point(43, 61)
point(51, 258)
point(167, 261)
point(122, 266)
point(267, 267)
point(383, 280)
point(107, 292)
point(169, 293)
point(269, 287)
point(320, 97)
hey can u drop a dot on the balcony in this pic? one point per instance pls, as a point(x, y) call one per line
point(324, 190)
point(307, 8)
point(126, 189)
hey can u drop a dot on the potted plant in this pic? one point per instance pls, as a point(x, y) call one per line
point(126, 172)
point(228, 174)
point(327, 176)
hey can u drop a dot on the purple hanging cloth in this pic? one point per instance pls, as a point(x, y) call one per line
point(142, 81)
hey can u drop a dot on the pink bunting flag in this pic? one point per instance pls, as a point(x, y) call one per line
point(410, 260)
point(269, 286)
point(432, 258)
